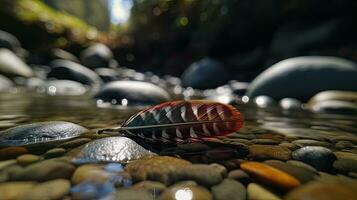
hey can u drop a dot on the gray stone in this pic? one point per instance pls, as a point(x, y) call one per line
point(296, 78)
point(132, 93)
point(68, 70)
point(97, 55)
point(319, 157)
point(206, 175)
point(62, 54)
point(37, 133)
point(111, 149)
point(334, 95)
point(203, 74)
point(11, 65)
point(345, 165)
point(229, 189)
point(258, 192)
point(239, 175)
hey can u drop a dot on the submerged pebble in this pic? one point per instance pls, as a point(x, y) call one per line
point(43, 132)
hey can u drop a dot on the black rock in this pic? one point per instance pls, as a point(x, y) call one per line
point(303, 77)
point(319, 157)
point(68, 70)
point(96, 56)
point(132, 93)
point(204, 74)
point(38, 133)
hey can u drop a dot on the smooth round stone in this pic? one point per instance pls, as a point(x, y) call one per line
point(27, 159)
point(239, 175)
point(350, 138)
point(345, 165)
point(229, 189)
point(265, 152)
point(15, 190)
point(131, 93)
point(112, 149)
point(302, 165)
point(74, 143)
point(264, 101)
point(55, 152)
point(11, 65)
point(334, 95)
point(107, 74)
point(186, 192)
point(154, 187)
point(289, 145)
point(320, 158)
point(203, 74)
point(270, 175)
point(55, 189)
point(258, 192)
point(37, 133)
point(302, 174)
point(96, 55)
point(11, 152)
point(7, 163)
point(334, 107)
point(206, 175)
point(307, 142)
point(45, 170)
point(159, 168)
point(9, 41)
point(90, 173)
point(5, 83)
point(290, 104)
point(342, 154)
point(63, 88)
point(344, 144)
point(64, 55)
point(68, 70)
point(296, 77)
point(325, 191)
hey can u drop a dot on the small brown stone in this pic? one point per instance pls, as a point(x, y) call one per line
point(318, 190)
point(27, 159)
point(89, 172)
point(11, 152)
point(265, 152)
point(270, 175)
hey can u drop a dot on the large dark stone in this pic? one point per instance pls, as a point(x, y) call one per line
point(68, 70)
point(204, 74)
point(302, 77)
point(132, 93)
point(97, 55)
point(38, 133)
point(319, 157)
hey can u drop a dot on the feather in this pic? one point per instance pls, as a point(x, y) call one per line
point(180, 120)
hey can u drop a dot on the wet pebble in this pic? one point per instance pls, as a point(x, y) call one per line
point(307, 142)
point(206, 175)
point(270, 175)
point(27, 159)
point(229, 189)
point(239, 175)
point(43, 132)
point(344, 144)
point(89, 173)
point(302, 174)
point(50, 190)
point(15, 190)
point(45, 170)
point(55, 152)
point(326, 191)
point(302, 165)
point(154, 187)
point(159, 168)
point(258, 192)
point(111, 149)
point(336, 139)
point(345, 165)
point(186, 192)
point(320, 158)
point(265, 152)
point(11, 152)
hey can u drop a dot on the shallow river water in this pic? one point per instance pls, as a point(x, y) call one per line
point(272, 137)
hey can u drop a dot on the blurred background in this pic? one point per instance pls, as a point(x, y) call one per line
point(165, 36)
